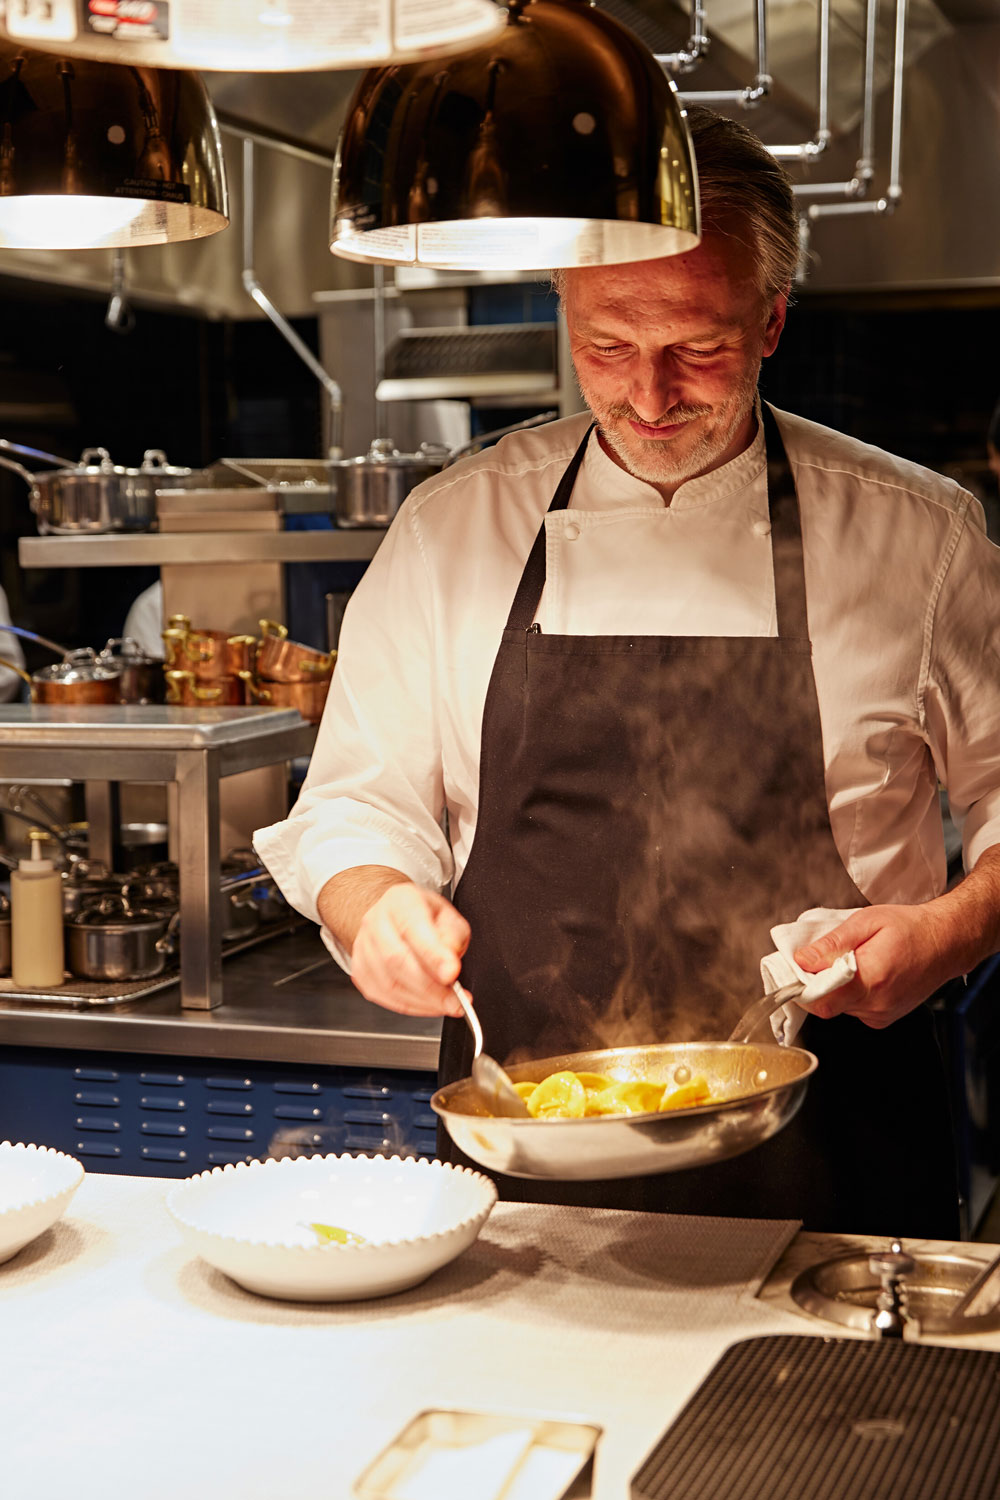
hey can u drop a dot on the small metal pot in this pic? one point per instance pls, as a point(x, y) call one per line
point(94, 495)
point(281, 660)
point(114, 942)
point(141, 678)
point(81, 678)
point(239, 915)
point(368, 491)
point(86, 883)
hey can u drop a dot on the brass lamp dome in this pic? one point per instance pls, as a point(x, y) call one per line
point(561, 143)
point(95, 155)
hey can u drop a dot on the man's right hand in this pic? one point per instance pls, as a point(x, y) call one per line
point(406, 943)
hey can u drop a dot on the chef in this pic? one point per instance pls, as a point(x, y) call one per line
point(618, 695)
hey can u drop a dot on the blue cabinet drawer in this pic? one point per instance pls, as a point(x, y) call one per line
point(167, 1116)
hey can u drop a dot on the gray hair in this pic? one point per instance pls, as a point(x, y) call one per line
point(744, 192)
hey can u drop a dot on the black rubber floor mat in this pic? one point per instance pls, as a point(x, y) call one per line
point(791, 1417)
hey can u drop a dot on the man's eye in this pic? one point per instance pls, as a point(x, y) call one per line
point(610, 348)
point(690, 352)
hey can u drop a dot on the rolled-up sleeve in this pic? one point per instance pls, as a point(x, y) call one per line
point(962, 691)
point(373, 794)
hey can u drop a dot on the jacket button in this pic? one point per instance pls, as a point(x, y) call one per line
point(572, 531)
point(761, 528)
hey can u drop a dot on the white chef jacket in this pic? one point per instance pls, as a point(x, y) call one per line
point(903, 591)
point(144, 621)
point(10, 647)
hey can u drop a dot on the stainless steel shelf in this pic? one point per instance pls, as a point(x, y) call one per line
point(522, 385)
point(161, 549)
point(193, 748)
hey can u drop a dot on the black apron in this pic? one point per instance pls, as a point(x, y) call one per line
point(649, 807)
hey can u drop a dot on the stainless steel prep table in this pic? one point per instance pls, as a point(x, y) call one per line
point(101, 746)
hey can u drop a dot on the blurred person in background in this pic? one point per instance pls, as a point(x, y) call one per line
point(144, 621)
point(11, 684)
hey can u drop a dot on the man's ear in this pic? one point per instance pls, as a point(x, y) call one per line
point(775, 323)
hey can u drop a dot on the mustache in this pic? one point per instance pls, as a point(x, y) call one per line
point(675, 414)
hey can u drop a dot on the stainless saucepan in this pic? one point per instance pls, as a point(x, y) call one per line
point(369, 490)
point(756, 1091)
point(94, 495)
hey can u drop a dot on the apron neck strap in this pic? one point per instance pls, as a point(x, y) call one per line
point(786, 538)
point(529, 590)
point(786, 534)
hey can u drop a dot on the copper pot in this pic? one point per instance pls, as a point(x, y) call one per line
point(216, 692)
point(308, 697)
point(218, 653)
point(80, 678)
point(282, 660)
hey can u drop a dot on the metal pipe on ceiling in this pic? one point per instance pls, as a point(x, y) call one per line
point(697, 47)
point(760, 86)
point(894, 190)
point(254, 290)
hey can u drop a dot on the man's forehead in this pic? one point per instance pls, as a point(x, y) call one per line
point(711, 284)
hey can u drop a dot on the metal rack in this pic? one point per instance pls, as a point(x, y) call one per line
point(194, 750)
point(186, 548)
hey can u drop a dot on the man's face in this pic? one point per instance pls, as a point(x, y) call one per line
point(667, 354)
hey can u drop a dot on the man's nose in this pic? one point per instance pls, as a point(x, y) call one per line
point(655, 386)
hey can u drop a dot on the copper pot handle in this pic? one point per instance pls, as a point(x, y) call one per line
point(198, 648)
point(271, 627)
point(322, 665)
point(257, 693)
point(174, 681)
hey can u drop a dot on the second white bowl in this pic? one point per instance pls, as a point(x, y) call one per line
point(252, 1222)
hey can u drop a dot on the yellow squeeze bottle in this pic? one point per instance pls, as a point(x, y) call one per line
point(36, 920)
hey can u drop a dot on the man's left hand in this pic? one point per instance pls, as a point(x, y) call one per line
point(903, 956)
point(905, 953)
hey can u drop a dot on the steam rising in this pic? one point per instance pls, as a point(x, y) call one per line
point(716, 836)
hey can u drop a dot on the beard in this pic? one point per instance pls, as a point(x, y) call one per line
point(672, 461)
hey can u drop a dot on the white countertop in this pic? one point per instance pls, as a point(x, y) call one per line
point(131, 1367)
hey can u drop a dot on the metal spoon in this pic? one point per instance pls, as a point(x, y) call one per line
point(762, 1010)
point(499, 1094)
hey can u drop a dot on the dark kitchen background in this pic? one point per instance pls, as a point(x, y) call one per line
point(198, 388)
point(911, 373)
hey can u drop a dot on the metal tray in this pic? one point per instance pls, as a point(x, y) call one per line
point(443, 1453)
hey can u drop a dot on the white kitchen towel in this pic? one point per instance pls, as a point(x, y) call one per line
point(779, 968)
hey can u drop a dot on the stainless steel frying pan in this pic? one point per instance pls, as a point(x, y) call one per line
point(761, 1087)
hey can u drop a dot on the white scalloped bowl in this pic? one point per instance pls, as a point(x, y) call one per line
point(252, 1222)
point(36, 1184)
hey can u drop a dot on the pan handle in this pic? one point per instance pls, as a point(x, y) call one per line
point(30, 635)
point(13, 667)
point(761, 1010)
point(25, 452)
point(499, 432)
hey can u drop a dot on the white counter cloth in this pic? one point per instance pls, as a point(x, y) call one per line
point(130, 1367)
point(902, 586)
point(779, 968)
